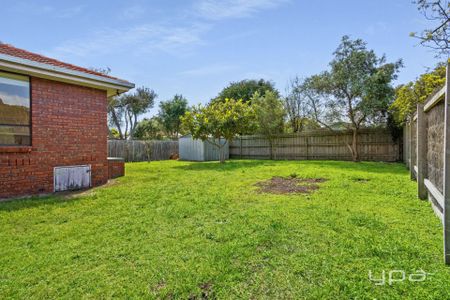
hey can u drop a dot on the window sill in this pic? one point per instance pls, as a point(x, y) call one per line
point(15, 149)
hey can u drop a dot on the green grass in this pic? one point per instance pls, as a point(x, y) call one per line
point(178, 230)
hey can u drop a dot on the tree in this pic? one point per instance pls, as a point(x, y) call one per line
point(124, 110)
point(357, 90)
point(114, 133)
point(170, 113)
point(269, 116)
point(438, 36)
point(219, 122)
point(297, 106)
point(104, 71)
point(245, 89)
point(148, 129)
point(408, 95)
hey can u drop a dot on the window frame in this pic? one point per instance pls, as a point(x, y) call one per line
point(30, 113)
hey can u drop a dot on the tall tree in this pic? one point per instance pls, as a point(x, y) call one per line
point(408, 95)
point(269, 113)
point(245, 89)
point(148, 129)
point(297, 106)
point(437, 36)
point(124, 110)
point(219, 122)
point(356, 91)
point(170, 113)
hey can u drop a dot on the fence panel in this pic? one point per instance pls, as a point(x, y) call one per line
point(429, 155)
point(134, 151)
point(373, 144)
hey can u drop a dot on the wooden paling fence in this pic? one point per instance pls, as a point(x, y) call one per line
point(373, 145)
point(134, 151)
point(427, 155)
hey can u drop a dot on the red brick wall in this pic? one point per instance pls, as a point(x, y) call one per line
point(116, 168)
point(69, 127)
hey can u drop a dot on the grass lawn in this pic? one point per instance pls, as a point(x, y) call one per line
point(179, 229)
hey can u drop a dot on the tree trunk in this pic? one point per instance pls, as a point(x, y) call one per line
point(221, 154)
point(116, 122)
point(354, 146)
point(294, 125)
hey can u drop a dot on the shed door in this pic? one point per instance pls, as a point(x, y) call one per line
point(72, 178)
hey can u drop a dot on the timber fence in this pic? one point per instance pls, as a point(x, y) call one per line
point(134, 151)
point(373, 145)
point(427, 155)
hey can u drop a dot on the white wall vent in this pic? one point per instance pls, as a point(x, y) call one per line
point(71, 178)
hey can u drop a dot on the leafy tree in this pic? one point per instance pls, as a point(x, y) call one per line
point(355, 92)
point(245, 89)
point(438, 36)
point(219, 122)
point(270, 113)
point(148, 129)
point(170, 113)
point(297, 106)
point(114, 133)
point(124, 110)
point(408, 95)
point(104, 71)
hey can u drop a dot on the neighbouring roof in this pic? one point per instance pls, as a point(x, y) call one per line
point(23, 61)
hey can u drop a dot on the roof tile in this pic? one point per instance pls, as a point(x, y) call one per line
point(24, 54)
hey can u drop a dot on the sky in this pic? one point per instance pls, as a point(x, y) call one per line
point(197, 47)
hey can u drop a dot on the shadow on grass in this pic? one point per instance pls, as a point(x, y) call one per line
point(370, 167)
point(15, 204)
point(227, 166)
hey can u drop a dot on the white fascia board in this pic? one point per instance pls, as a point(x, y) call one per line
point(28, 67)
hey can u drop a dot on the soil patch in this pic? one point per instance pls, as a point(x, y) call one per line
point(289, 185)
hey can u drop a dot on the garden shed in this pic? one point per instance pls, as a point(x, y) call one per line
point(198, 150)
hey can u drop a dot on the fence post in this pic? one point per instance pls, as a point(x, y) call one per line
point(240, 147)
point(411, 149)
point(307, 147)
point(421, 144)
point(446, 217)
point(405, 145)
point(408, 144)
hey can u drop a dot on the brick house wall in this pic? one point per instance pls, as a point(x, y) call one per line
point(69, 127)
point(116, 167)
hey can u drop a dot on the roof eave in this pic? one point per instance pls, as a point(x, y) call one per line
point(36, 69)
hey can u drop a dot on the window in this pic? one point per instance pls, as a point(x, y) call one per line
point(15, 121)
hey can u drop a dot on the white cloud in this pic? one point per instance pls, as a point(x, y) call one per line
point(214, 69)
point(224, 9)
point(141, 39)
point(147, 38)
point(14, 99)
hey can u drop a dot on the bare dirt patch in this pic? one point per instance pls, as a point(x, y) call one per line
point(289, 185)
point(207, 292)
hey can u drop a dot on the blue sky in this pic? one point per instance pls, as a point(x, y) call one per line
point(197, 47)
